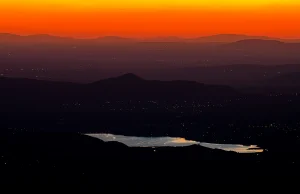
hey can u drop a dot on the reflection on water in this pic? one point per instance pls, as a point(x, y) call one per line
point(234, 147)
point(145, 141)
point(172, 142)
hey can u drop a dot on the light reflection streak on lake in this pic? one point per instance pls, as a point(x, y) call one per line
point(132, 141)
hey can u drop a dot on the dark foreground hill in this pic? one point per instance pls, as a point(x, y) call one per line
point(61, 159)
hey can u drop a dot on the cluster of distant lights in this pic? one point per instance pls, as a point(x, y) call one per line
point(7, 70)
point(127, 106)
point(32, 69)
point(109, 105)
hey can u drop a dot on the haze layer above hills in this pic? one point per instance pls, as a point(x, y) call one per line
point(222, 38)
point(219, 59)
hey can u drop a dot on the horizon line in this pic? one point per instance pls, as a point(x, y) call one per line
point(147, 37)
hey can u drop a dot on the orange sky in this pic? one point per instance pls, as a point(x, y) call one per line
point(189, 18)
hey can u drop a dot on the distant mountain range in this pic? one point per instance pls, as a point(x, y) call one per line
point(240, 62)
point(228, 38)
point(261, 45)
point(219, 38)
point(113, 39)
point(6, 37)
point(256, 42)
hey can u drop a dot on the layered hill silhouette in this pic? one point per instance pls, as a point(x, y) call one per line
point(288, 80)
point(267, 46)
point(30, 54)
point(165, 39)
point(37, 38)
point(113, 39)
point(226, 38)
point(220, 38)
point(257, 43)
point(127, 86)
point(245, 61)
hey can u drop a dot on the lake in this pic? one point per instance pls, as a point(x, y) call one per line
point(133, 141)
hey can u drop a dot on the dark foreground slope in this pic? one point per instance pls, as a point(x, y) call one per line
point(36, 158)
point(60, 159)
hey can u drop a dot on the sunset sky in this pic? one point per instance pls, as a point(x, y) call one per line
point(150, 18)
